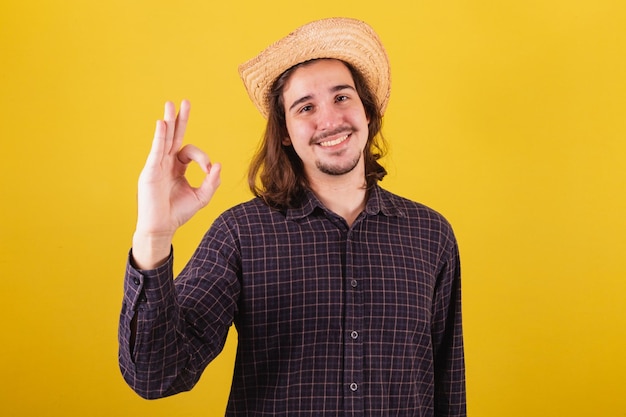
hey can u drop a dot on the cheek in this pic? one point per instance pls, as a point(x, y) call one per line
point(298, 131)
point(357, 116)
point(365, 117)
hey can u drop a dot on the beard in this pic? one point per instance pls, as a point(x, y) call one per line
point(338, 169)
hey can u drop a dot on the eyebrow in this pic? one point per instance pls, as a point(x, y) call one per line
point(332, 90)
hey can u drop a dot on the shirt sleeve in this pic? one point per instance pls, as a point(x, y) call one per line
point(450, 394)
point(171, 329)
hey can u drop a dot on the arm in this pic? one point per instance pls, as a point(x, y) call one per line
point(170, 330)
point(151, 315)
point(450, 396)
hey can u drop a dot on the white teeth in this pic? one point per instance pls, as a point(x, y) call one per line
point(334, 142)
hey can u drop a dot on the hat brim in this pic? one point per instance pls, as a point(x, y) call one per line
point(346, 39)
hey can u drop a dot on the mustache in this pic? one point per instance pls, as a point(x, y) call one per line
point(344, 129)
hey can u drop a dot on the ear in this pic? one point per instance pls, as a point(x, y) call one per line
point(287, 141)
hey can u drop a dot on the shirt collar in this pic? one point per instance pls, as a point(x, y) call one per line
point(379, 201)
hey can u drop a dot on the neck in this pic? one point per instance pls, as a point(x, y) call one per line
point(343, 196)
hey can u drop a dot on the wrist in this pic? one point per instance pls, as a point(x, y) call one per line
point(150, 250)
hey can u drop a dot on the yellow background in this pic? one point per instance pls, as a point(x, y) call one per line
point(506, 116)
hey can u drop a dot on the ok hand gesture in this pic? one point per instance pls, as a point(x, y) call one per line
point(166, 200)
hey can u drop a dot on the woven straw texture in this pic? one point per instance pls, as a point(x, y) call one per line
point(347, 39)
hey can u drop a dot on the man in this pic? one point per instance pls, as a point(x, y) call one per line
point(346, 298)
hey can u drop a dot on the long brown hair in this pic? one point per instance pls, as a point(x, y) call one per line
point(276, 173)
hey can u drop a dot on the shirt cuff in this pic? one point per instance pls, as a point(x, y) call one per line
point(148, 287)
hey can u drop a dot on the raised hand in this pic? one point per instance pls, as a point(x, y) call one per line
point(166, 200)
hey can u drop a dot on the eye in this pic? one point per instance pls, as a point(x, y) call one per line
point(341, 98)
point(305, 109)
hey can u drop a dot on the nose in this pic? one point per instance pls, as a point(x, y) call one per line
point(328, 117)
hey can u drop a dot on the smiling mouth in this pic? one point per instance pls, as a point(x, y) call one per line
point(334, 142)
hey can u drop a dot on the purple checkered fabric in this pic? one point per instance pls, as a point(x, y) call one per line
point(331, 320)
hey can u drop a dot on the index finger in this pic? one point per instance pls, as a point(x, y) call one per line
point(191, 153)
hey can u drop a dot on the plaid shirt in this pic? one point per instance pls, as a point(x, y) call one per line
point(332, 320)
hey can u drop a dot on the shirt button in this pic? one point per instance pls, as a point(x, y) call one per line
point(354, 283)
point(136, 281)
point(354, 334)
point(354, 387)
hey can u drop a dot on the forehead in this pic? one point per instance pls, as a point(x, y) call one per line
point(318, 73)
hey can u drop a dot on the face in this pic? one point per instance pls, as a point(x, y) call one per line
point(325, 119)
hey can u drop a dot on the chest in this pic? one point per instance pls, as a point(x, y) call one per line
point(320, 276)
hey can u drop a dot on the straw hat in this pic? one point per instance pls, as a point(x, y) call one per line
point(349, 40)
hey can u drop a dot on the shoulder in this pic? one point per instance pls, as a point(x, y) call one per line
point(252, 207)
point(405, 207)
point(415, 214)
point(250, 214)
